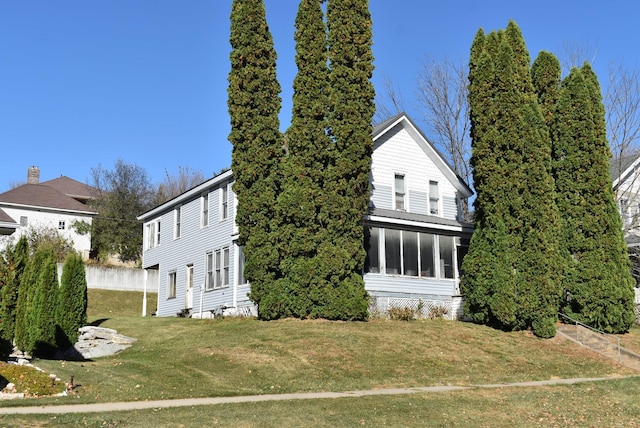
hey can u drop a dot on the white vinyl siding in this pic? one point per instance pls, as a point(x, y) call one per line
point(398, 153)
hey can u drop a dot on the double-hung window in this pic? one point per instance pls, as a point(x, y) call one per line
point(153, 234)
point(217, 264)
point(205, 209)
point(171, 285)
point(177, 220)
point(434, 198)
point(400, 202)
point(224, 202)
point(208, 280)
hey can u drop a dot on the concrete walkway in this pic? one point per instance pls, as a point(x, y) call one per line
point(187, 402)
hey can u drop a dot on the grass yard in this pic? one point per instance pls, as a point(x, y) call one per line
point(600, 404)
point(181, 358)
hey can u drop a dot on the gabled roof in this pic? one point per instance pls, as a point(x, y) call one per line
point(72, 188)
point(622, 168)
point(41, 196)
point(186, 196)
point(7, 224)
point(430, 150)
point(378, 130)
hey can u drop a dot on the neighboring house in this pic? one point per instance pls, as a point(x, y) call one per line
point(414, 235)
point(57, 204)
point(625, 175)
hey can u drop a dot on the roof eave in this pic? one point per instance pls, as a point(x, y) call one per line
point(185, 196)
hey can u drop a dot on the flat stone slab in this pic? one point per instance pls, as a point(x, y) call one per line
point(95, 342)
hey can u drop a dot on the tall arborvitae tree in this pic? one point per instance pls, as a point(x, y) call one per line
point(303, 166)
point(344, 204)
point(598, 283)
point(546, 74)
point(17, 259)
point(512, 270)
point(42, 326)
point(71, 308)
point(24, 305)
point(254, 104)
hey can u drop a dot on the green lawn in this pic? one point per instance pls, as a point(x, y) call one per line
point(180, 358)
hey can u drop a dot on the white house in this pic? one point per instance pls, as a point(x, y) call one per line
point(415, 236)
point(55, 204)
point(625, 176)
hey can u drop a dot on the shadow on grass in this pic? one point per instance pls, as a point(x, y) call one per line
point(97, 322)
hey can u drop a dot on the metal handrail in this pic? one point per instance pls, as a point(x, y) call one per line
point(578, 323)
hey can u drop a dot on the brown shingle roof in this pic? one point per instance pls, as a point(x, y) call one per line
point(72, 188)
point(42, 196)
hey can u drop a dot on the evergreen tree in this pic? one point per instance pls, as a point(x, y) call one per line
point(71, 308)
point(350, 112)
point(546, 74)
point(24, 305)
point(17, 259)
point(307, 145)
point(512, 270)
point(598, 281)
point(42, 329)
point(254, 104)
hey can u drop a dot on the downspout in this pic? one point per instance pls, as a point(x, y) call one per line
point(236, 265)
point(144, 294)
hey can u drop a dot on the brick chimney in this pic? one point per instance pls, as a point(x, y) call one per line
point(33, 175)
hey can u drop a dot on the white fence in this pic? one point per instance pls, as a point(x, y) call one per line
point(118, 278)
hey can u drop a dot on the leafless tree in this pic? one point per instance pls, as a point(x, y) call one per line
point(442, 98)
point(16, 183)
point(575, 54)
point(174, 185)
point(622, 103)
point(389, 102)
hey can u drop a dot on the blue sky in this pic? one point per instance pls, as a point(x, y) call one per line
point(85, 82)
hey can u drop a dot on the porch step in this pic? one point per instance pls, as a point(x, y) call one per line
point(600, 343)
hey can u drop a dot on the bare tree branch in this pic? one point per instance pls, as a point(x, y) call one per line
point(389, 102)
point(442, 98)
